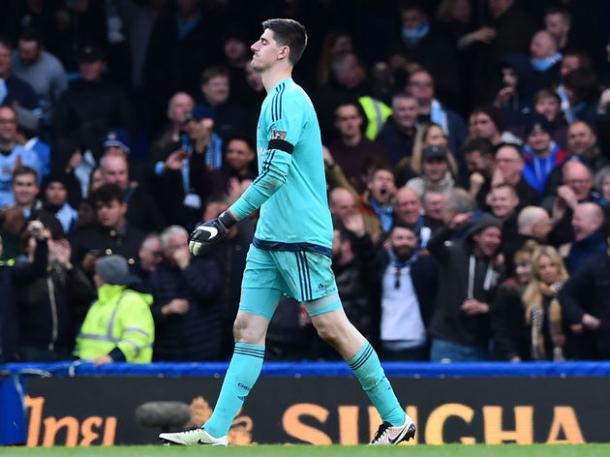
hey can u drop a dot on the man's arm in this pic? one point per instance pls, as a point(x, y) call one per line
point(284, 131)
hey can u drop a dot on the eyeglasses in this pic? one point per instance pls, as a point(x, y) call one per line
point(8, 121)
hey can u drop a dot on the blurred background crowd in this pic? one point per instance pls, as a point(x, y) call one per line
point(466, 147)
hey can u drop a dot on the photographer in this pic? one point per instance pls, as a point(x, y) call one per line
point(14, 274)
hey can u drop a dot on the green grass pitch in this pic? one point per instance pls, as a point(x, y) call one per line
point(452, 450)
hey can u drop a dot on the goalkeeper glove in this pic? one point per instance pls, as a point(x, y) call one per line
point(210, 232)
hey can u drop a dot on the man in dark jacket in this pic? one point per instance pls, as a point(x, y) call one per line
point(86, 111)
point(111, 233)
point(460, 326)
point(52, 306)
point(186, 305)
point(12, 274)
point(585, 301)
point(406, 284)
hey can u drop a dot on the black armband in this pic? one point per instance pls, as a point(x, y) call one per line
point(281, 145)
point(227, 219)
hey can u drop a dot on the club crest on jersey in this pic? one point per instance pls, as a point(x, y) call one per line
point(278, 134)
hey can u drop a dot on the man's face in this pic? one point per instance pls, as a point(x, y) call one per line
point(405, 112)
point(412, 18)
point(25, 189)
point(434, 205)
point(91, 70)
point(115, 170)
point(508, 160)
point(580, 138)
point(56, 194)
point(481, 126)
point(539, 141)
point(421, 86)
point(235, 49)
point(542, 46)
point(382, 186)
point(549, 107)
point(110, 214)
point(556, 25)
point(5, 62)
point(216, 91)
point(175, 242)
point(342, 203)
point(150, 254)
point(403, 242)
point(8, 124)
point(407, 206)
point(239, 155)
point(435, 169)
point(503, 202)
point(266, 51)
point(542, 227)
point(348, 121)
point(474, 161)
point(568, 64)
point(583, 223)
point(488, 241)
point(350, 73)
point(29, 51)
point(579, 180)
point(180, 108)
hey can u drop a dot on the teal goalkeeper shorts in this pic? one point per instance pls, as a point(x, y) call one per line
point(305, 276)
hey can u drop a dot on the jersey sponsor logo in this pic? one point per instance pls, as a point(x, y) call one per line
point(278, 134)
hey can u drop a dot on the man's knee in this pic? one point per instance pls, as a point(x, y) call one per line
point(330, 330)
point(249, 328)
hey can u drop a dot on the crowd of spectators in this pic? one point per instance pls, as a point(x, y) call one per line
point(465, 147)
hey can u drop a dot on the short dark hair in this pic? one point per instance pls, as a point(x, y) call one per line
point(24, 170)
point(564, 12)
point(107, 193)
point(482, 145)
point(213, 72)
point(288, 32)
point(352, 103)
point(31, 34)
point(493, 113)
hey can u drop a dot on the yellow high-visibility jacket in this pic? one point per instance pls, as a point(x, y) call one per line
point(119, 319)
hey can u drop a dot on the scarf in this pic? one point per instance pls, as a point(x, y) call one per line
point(439, 116)
point(545, 63)
point(413, 35)
point(533, 298)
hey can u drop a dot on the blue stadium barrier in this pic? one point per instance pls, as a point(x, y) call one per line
point(332, 369)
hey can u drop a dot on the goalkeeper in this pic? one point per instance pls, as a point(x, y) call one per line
point(291, 251)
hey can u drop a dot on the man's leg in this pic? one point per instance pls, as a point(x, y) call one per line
point(260, 294)
point(244, 369)
point(338, 331)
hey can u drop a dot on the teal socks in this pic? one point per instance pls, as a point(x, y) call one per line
point(367, 369)
point(245, 366)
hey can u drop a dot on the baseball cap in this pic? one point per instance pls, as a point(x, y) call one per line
point(117, 138)
point(90, 53)
point(435, 152)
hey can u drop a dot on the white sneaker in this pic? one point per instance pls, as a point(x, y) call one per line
point(194, 437)
point(387, 435)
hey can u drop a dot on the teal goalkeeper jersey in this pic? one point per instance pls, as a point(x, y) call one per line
point(291, 186)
